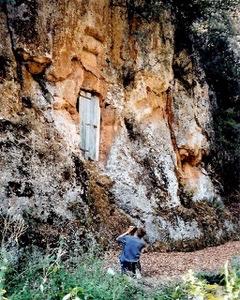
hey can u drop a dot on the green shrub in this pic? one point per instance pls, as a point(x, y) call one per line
point(3, 268)
point(57, 275)
point(170, 292)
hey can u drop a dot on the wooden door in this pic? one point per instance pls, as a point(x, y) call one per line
point(89, 111)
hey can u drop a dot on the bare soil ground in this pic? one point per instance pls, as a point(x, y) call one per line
point(177, 263)
point(170, 266)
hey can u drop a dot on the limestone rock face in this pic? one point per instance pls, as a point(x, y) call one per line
point(155, 128)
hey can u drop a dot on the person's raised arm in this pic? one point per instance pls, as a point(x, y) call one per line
point(130, 229)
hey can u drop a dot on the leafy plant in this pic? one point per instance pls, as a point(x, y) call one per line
point(232, 283)
point(3, 269)
point(171, 292)
point(61, 275)
point(227, 289)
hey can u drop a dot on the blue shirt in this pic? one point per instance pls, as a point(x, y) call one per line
point(132, 248)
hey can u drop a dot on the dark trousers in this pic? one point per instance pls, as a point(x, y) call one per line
point(130, 266)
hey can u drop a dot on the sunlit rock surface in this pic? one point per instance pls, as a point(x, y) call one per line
point(155, 129)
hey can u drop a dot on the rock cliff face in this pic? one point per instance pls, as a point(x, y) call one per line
point(154, 133)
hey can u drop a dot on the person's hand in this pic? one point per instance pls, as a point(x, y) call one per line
point(130, 229)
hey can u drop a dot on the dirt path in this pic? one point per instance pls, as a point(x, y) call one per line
point(172, 265)
point(178, 263)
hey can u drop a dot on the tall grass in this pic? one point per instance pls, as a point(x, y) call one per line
point(59, 274)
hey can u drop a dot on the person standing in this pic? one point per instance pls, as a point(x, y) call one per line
point(132, 246)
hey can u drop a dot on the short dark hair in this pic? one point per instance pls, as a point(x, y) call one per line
point(140, 232)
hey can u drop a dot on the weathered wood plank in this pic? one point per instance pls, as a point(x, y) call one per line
point(89, 111)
